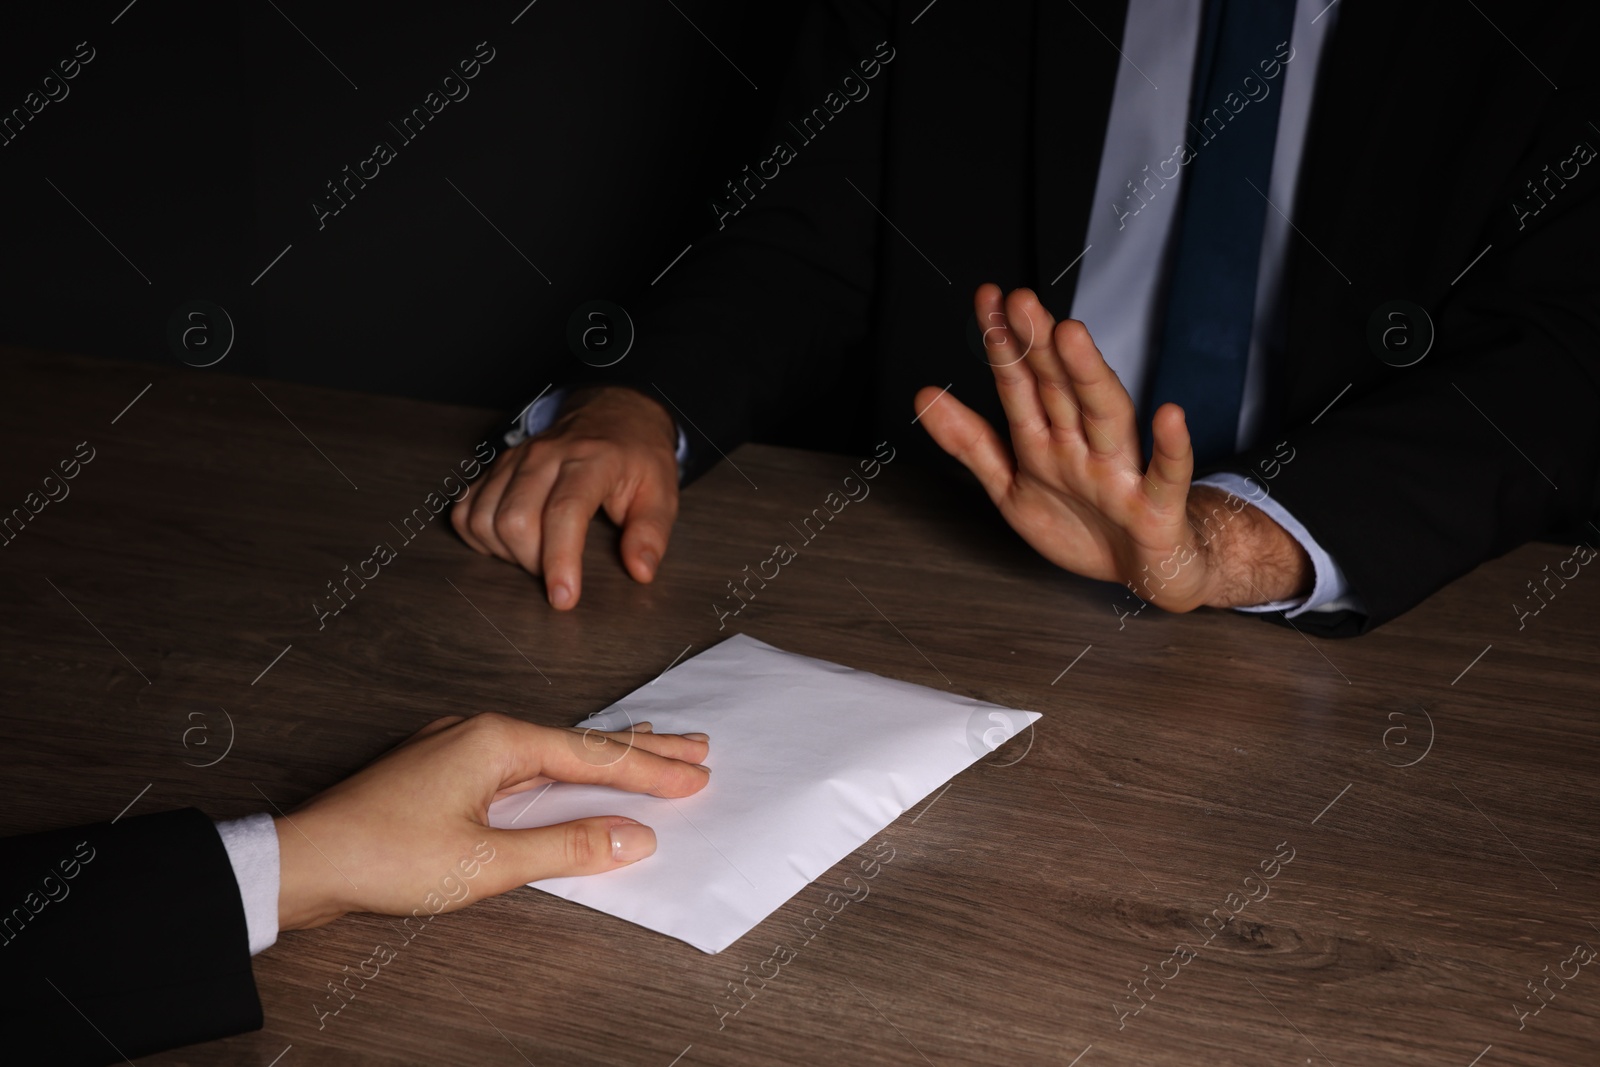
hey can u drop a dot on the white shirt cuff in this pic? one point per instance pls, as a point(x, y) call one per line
point(1330, 592)
point(538, 416)
point(252, 844)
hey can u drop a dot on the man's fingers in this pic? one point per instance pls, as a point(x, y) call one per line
point(585, 846)
point(519, 517)
point(574, 498)
point(1028, 316)
point(1111, 424)
point(968, 437)
point(610, 446)
point(473, 517)
point(1172, 457)
point(461, 514)
point(646, 526)
point(1006, 341)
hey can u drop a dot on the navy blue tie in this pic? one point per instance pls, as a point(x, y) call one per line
point(1210, 307)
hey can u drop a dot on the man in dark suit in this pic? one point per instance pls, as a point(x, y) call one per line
point(133, 936)
point(1385, 391)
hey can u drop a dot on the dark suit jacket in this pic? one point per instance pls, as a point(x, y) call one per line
point(845, 281)
point(121, 940)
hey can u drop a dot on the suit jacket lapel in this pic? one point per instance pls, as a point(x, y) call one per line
point(1075, 69)
point(1360, 78)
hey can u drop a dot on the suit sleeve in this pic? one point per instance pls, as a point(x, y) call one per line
point(752, 324)
point(1494, 439)
point(121, 940)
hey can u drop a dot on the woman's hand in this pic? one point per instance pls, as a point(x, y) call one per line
point(384, 839)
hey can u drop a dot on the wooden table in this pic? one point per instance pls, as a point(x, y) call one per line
point(1434, 781)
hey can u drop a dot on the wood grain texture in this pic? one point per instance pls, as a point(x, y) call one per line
point(1174, 757)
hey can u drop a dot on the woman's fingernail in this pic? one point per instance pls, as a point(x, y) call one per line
point(698, 737)
point(561, 595)
point(632, 841)
point(703, 767)
point(649, 559)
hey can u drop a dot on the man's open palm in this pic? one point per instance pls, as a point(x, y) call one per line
point(1072, 483)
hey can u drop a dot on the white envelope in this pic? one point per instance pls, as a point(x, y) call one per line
point(809, 760)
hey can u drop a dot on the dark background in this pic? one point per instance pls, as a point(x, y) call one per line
point(200, 133)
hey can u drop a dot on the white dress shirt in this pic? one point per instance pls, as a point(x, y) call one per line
point(252, 844)
point(1133, 226)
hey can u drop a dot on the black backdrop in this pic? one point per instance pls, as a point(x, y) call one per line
point(198, 136)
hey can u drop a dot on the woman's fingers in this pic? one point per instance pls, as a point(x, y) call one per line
point(521, 787)
point(434, 727)
point(603, 746)
point(585, 846)
point(527, 751)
